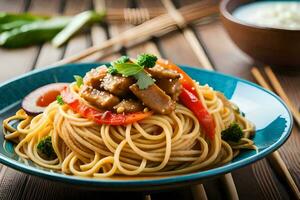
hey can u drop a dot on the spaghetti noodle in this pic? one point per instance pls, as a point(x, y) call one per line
point(157, 145)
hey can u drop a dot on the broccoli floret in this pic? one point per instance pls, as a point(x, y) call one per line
point(122, 59)
point(146, 60)
point(45, 148)
point(233, 133)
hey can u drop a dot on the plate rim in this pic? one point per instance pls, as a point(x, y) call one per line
point(177, 179)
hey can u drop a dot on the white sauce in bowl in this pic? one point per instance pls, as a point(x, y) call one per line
point(273, 14)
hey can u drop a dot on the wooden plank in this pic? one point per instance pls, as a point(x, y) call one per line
point(48, 53)
point(25, 56)
point(226, 56)
point(11, 181)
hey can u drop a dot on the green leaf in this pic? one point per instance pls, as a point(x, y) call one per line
point(79, 80)
point(60, 100)
point(127, 69)
point(143, 80)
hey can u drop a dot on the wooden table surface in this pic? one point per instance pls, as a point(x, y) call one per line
point(257, 181)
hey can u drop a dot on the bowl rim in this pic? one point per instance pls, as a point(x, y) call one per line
point(228, 15)
point(177, 179)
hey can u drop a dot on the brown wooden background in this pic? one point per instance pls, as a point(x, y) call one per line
point(258, 181)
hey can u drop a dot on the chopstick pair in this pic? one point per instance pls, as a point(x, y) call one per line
point(275, 157)
point(277, 87)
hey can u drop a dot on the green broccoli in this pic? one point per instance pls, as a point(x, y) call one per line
point(45, 148)
point(233, 133)
point(146, 60)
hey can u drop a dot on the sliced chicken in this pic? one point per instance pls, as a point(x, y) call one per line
point(129, 106)
point(160, 72)
point(101, 99)
point(94, 77)
point(117, 85)
point(171, 86)
point(155, 98)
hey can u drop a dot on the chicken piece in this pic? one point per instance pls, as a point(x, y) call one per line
point(117, 85)
point(93, 78)
point(172, 87)
point(129, 106)
point(101, 99)
point(154, 98)
point(160, 72)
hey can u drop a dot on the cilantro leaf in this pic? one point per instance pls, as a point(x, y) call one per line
point(127, 69)
point(79, 80)
point(60, 100)
point(143, 80)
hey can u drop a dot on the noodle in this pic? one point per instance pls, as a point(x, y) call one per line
point(158, 145)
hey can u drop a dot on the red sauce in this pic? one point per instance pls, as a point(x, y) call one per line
point(47, 98)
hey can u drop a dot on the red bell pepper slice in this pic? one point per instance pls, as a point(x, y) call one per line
point(195, 105)
point(99, 116)
point(189, 98)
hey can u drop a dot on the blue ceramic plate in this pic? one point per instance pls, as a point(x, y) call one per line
point(267, 111)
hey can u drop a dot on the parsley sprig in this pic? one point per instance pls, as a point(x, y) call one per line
point(127, 68)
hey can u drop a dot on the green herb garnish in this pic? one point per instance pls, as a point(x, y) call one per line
point(127, 68)
point(60, 100)
point(79, 80)
point(233, 133)
point(146, 60)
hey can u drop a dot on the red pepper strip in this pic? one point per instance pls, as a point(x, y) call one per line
point(101, 117)
point(189, 98)
point(195, 105)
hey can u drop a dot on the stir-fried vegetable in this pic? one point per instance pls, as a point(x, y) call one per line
point(98, 116)
point(189, 98)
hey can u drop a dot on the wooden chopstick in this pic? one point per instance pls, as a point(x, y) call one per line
point(275, 157)
point(204, 60)
point(279, 90)
point(189, 35)
point(147, 29)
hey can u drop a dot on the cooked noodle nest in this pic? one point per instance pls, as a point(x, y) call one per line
point(158, 145)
